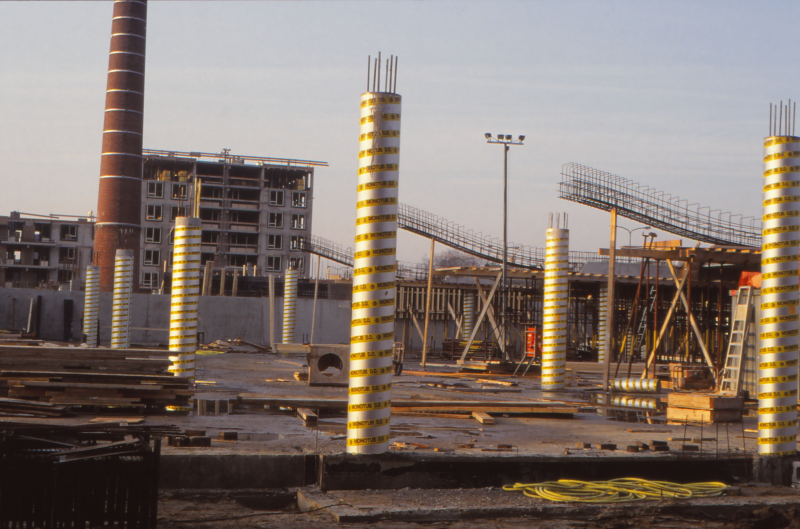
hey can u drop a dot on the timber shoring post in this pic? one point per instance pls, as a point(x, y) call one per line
point(428, 306)
point(610, 306)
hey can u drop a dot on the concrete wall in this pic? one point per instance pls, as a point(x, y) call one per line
point(219, 317)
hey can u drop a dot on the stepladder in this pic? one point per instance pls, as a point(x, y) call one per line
point(731, 380)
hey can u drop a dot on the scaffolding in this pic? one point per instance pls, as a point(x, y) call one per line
point(658, 209)
point(453, 236)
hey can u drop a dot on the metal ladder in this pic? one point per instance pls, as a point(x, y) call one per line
point(734, 361)
point(641, 330)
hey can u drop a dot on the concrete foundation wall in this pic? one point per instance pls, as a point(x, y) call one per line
point(219, 317)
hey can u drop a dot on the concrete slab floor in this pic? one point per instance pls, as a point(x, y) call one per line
point(283, 433)
point(750, 506)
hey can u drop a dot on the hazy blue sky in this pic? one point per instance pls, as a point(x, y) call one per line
point(671, 94)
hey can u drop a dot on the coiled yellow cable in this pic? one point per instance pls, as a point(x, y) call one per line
point(616, 490)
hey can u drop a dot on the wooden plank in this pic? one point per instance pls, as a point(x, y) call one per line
point(704, 401)
point(308, 416)
point(83, 374)
point(482, 418)
point(500, 382)
point(84, 385)
point(493, 410)
point(709, 416)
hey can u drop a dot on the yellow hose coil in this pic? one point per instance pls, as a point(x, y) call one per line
point(616, 490)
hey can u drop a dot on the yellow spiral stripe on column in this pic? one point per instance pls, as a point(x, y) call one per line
point(185, 296)
point(554, 312)
point(637, 385)
point(289, 304)
point(778, 326)
point(91, 305)
point(121, 304)
point(469, 315)
point(372, 323)
point(602, 307)
point(628, 401)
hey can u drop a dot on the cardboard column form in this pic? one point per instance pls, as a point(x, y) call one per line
point(372, 324)
point(778, 324)
point(185, 296)
point(289, 304)
point(555, 308)
point(90, 305)
point(121, 305)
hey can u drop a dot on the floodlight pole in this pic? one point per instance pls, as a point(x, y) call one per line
point(507, 142)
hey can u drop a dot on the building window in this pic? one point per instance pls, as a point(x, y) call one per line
point(155, 190)
point(69, 232)
point(152, 235)
point(276, 197)
point(276, 220)
point(298, 222)
point(152, 257)
point(274, 263)
point(177, 212)
point(150, 279)
point(275, 242)
point(64, 276)
point(66, 255)
point(179, 192)
point(297, 263)
point(17, 257)
point(298, 199)
point(169, 262)
point(153, 212)
point(297, 242)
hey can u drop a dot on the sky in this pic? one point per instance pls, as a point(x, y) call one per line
point(674, 95)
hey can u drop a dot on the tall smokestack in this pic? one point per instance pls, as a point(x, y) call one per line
point(119, 199)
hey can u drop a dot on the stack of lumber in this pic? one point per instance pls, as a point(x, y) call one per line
point(98, 389)
point(703, 407)
point(100, 359)
point(26, 408)
point(77, 376)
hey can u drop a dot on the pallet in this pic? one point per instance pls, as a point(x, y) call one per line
point(704, 402)
point(681, 415)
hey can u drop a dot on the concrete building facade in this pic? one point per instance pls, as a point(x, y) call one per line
point(45, 251)
point(255, 211)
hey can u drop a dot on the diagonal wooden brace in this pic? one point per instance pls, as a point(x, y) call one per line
point(498, 335)
point(695, 328)
point(480, 319)
point(666, 322)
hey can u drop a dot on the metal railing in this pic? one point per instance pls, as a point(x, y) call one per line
point(658, 209)
point(453, 236)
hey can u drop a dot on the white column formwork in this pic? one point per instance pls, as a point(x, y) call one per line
point(372, 324)
point(289, 304)
point(778, 326)
point(91, 302)
point(185, 296)
point(554, 314)
point(469, 315)
point(602, 306)
point(121, 304)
